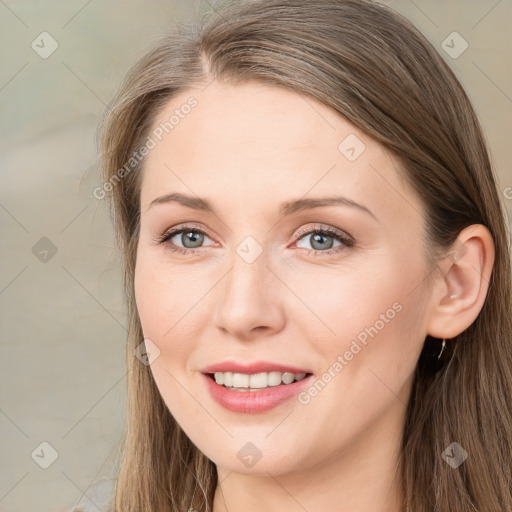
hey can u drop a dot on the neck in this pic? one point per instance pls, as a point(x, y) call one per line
point(365, 477)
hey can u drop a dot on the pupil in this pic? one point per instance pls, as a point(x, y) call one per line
point(194, 237)
point(316, 238)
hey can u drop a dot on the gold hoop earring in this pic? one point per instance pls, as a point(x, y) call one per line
point(442, 348)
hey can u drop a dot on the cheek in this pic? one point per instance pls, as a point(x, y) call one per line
point(368, 364)
point(374, 318)
point(167, 299)
point(172, 306)
point(162, 303)
point(341, 301)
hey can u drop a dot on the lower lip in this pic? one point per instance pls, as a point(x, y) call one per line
point(254, 402)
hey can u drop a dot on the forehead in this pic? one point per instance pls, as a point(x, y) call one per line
point(263, 144)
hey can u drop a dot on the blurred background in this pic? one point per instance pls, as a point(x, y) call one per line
point(62, 322)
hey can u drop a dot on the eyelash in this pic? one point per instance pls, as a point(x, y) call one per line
point(346, 240)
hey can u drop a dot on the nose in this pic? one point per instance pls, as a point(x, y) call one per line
point(249, 303)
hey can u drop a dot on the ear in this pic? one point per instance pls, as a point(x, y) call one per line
point(461, 284)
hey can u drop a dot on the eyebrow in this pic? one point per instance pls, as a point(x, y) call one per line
point(287, 208)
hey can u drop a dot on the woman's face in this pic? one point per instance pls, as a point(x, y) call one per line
point(248, 281)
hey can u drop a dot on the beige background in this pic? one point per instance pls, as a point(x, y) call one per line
point(62, 360)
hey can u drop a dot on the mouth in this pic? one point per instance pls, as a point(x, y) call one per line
point(238, 392)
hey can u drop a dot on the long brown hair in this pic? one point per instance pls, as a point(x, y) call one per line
point(373, 67)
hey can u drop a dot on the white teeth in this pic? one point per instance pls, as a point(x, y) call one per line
point(228, 379)
point(274, 378)
point(240, 380)
point(256, 380)
point(288, 377)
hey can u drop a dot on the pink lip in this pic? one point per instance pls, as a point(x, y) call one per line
point(256, 367)
point(254, 402)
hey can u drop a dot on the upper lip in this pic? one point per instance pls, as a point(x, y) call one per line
point(251, 368)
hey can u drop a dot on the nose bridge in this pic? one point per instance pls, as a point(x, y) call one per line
point(248, 293)
point(245, 284)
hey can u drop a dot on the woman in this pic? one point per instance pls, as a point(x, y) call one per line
point(317, 271)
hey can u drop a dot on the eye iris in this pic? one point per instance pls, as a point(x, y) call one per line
point(315, 238)
point(192, 236)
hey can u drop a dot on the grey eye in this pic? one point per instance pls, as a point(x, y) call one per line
point(319, 241)
point(190, 239)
